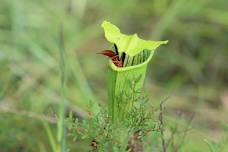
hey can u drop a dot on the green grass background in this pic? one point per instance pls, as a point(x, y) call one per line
point(192, 68)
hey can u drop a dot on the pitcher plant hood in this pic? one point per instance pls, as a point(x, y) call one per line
point(130, 44)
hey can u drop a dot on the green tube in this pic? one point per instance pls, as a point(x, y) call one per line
point(120, 82)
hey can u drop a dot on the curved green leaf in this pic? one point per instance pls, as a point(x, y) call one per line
point(130, 44)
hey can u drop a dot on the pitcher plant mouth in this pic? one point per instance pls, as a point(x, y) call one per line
point(122, 69)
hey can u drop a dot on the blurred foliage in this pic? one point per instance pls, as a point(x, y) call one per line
point(193, 65)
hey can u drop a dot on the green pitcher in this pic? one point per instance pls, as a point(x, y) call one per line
point(122, 79)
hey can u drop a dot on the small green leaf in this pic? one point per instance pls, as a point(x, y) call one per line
point(210, 145)
point(130, 44)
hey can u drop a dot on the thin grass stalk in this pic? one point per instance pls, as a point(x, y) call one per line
point(50, 136)
point(61, 136)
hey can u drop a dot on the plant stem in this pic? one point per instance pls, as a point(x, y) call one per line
point(61, 122)
point(161, 119)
